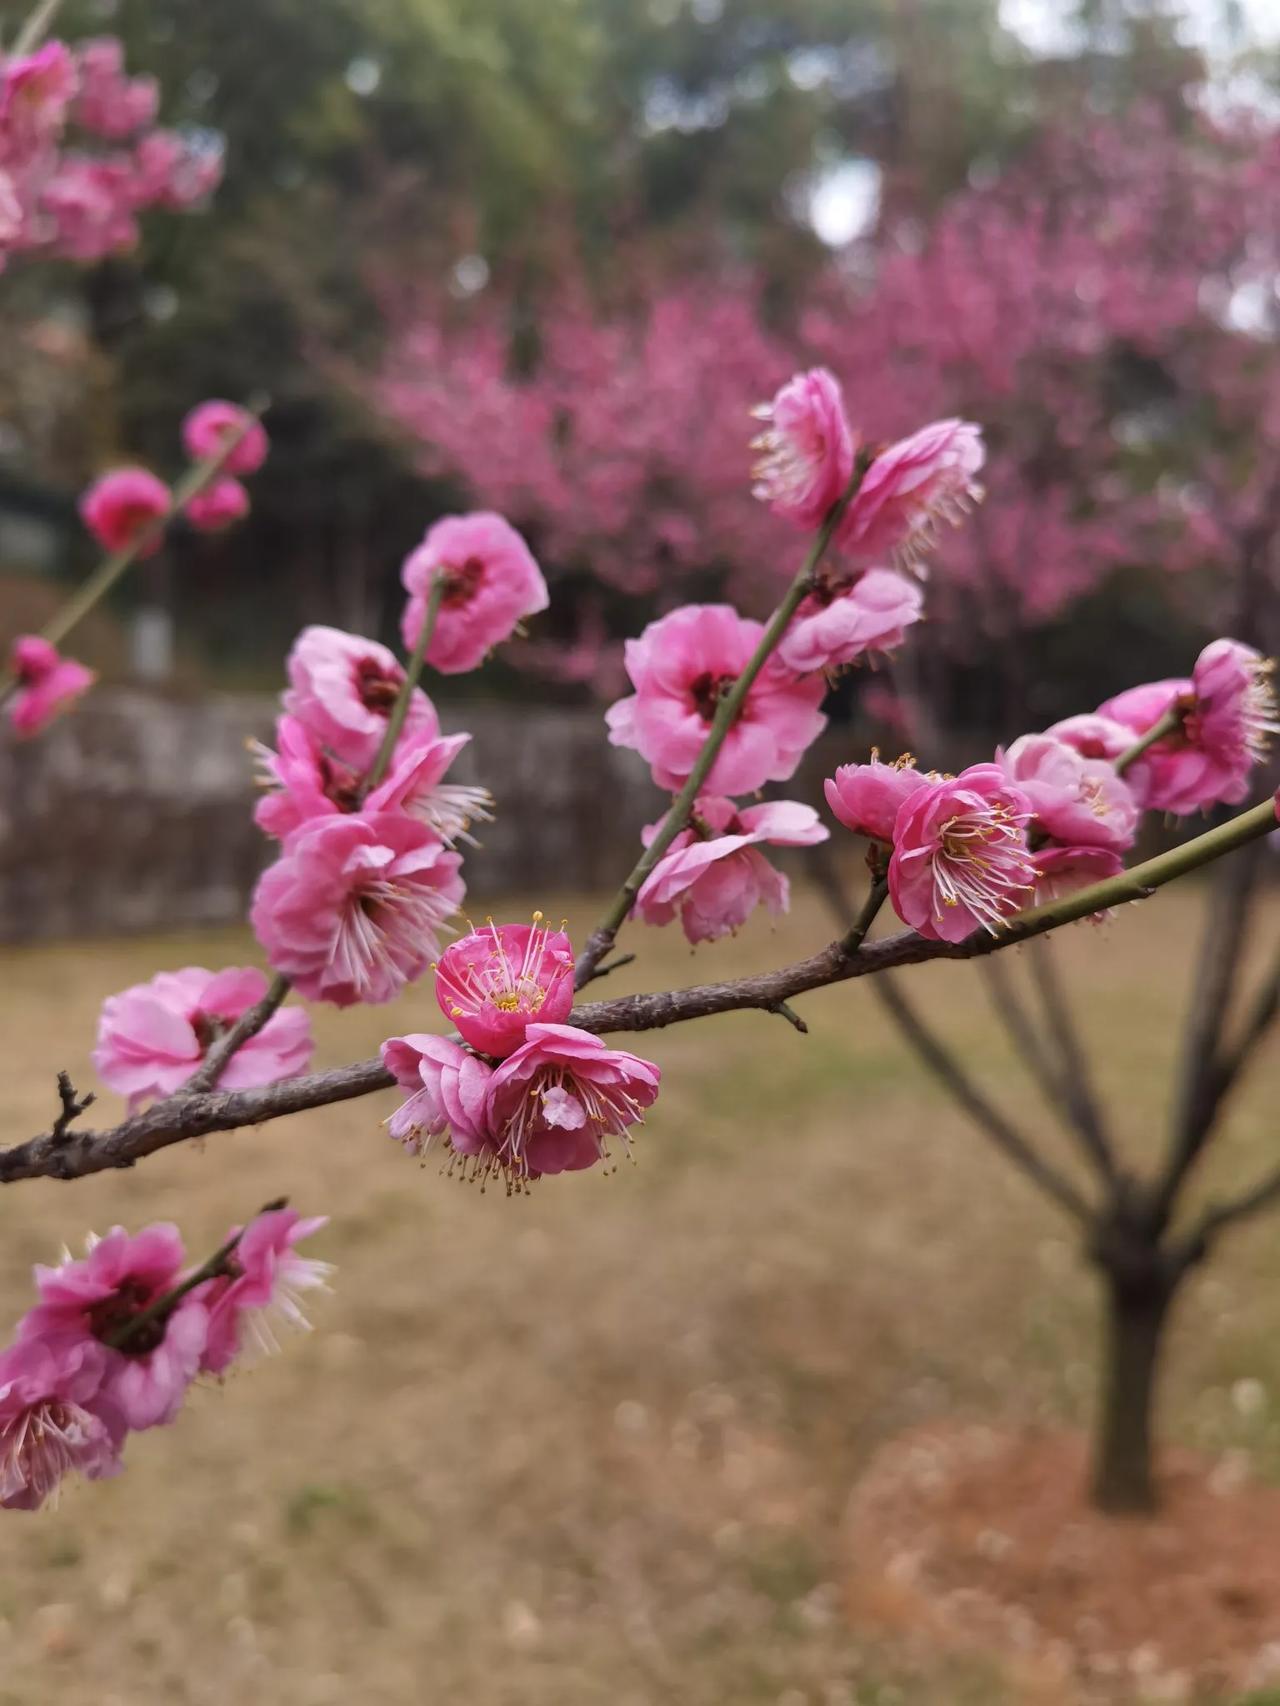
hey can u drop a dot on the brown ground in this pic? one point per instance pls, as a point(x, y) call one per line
point(974, 1538)
point(597, 1445)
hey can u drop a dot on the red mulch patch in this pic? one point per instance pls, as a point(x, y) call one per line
point(978, 1540)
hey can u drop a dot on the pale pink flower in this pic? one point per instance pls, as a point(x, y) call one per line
point(960, 857)
point(343, 688)
point(713, 874)
point(218, 506)
point(840, 622)
point(866, 797)
point(267, 1285)
point(910, 489)
point(89, 1301)
point(448, 1095)
point(681, 667)
point(352, 909)
point(493, 983)
point(47, 683)
point(1061, 871)
point(212, 425)
point(53, 1419)
point(90, 206)
point(152, 1036)
point(491, 584)
point(176, 171)
point(1078, 801)
point(1093, 736)
point(806, 448)
point(554, 1104)
point(36, 90)
point(109, 103)
point(415, 785)
point(122, 505)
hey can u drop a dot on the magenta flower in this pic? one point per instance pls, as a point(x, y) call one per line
point(36, 90)
point(714, 876)
point(448, 1095)
point(211, 425)
point(866, 797)
point(681, 667)
point(555, 1103)
point(268, 1285)
point(493, 983)
point(121, 505)
point(491, 584)
point(1078, 801)
point(415, 785)
point(47, 683)
point(152, 1036)
point(53, 1419)
point(1061, 871)
point(840, 621)
point(960, 857)
point(806, 449)
point(342, 688)
point(89, 1301)
point(1093, 736)
point(352, 909)
point(218, 506)
point(109, 103)
point(909, 489)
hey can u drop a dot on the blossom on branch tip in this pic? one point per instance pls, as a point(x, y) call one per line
point(121, 505)
point(960, 856)
point(36, 91)
point(866, 797)
point(844, 618)
point(218, 506)
point(806, 449)
point(681, 667)
point(909, 489)
point(491, 583)
point(493, 983)
point(152, 1036)
point(353, 908)
point(213, 424)
point(108, 102)
point(266, 1283)
point(47, 683)
point(713, 874)
point(54, 1419)
point(343, 687)
point(1078, 801)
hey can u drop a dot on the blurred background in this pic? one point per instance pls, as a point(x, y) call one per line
point(543, 256)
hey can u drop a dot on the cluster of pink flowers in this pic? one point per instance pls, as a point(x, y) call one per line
point(46, 683)
point(81, 156)
point(118, 1337)
point(527, 1094)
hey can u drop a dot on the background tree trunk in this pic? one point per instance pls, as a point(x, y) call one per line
point(1137, 1300)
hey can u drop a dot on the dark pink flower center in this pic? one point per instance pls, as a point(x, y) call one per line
point(339, 784)
point(110, 1314)
point(134, 517)
point(707, 690)
point(376, 688)
point(208, 1027)
point(828, 586)
point(462, 584)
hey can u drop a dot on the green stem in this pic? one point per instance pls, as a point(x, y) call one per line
point(413, 669)
point(33, 31)
point(726, 714)
point(110, 570)
point(1169, 724)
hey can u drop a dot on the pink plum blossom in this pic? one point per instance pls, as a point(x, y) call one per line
point(152, 1036)
point(960, 856)
point(1061, 871)
point(415, 785)
point(681, 667)
point(1093, 736)
point(491, 584)
point(909, 489)
point(175, 171)
point(212, 425)
point(866, 797)
point(713, 874)
point(47, 683)
point(36, 90)
point(342, 687)
point(352, 909)
point(122, 505)
point(1078, 801)
point(267, 1284)
point(806, 449)
point(53, 1418)
point(553, 1105)
point(218, 506)
point(448, 1095)
point(493, 983)
point(840, 622)
point(89, 1301)
point(109, 103)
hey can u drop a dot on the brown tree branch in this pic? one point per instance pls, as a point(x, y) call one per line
point(1077, 1085)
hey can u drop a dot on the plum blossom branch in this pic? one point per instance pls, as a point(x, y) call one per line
point(1168, 724)
point(191, 1113)
point(602, 938)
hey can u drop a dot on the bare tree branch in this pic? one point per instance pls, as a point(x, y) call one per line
point(1023, 1034)
point(1076, 1080)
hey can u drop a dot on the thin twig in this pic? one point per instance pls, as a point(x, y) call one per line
point(72, 1105)
point(1076, 1078)
point(1023, 1034)
point(33, 31)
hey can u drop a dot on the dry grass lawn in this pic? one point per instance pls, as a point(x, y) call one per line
point(595, 1446)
